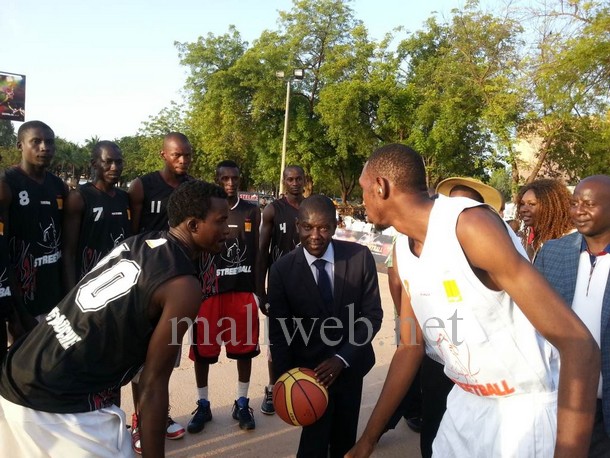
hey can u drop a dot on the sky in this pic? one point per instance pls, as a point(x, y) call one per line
point(101, 68)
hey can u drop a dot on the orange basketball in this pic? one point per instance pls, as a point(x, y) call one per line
point(298, 398)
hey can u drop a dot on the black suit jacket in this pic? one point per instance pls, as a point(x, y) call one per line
point(303, 332)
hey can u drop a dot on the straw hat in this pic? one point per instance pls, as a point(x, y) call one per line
point(491, 195)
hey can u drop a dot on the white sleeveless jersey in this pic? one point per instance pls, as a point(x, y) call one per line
point(487, 345)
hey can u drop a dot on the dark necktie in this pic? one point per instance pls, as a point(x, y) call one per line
point(324, 285)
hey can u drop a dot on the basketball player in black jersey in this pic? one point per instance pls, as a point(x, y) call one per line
point(230, 317)
point(31, 207)
point(148, 197)
point(278, 237)
point(148, 194)
point(133, 308)
point(97, 216)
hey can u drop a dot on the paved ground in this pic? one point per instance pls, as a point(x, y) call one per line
point(222, 437)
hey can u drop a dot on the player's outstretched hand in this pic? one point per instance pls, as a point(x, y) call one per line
point(362, 449)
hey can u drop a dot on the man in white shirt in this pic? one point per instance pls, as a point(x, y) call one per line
point(578, 267)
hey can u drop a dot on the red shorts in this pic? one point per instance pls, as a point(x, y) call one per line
point(229, 319)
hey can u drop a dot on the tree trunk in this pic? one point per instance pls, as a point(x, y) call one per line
point(542, 155)
point(514, 177)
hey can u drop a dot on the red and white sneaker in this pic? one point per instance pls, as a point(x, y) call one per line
point(135, 435)
point(174, 430)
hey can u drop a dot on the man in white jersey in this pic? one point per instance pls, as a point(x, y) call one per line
point(464, 274)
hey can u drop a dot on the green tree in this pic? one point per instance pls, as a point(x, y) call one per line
point(8, 151)
point(71, 161)
point(7, 134)
point(350, 107)
point(320, 37)
point(457, 90)
point(237, 105)
point(87, 150)
point(570, 75)
point(149, 142)
point(501, 179)
point(217, 117)
point(133, 157)
point(458, 77)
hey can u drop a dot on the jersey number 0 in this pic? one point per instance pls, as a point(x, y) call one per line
point(112, 283)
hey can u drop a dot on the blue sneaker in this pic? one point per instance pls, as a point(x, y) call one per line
point(203, 414)
point(243, 413)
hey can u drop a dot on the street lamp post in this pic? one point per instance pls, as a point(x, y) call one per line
point(298, 73)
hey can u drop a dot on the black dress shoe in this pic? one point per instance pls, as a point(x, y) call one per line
point(414, 424)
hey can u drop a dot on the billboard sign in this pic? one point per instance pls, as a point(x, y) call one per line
point(12, 96)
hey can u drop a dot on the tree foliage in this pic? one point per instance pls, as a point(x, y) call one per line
point(71, 161)
point(452, 90)
point(8, 138)
point(8, 152)
point(462, 91)
point(570, 80)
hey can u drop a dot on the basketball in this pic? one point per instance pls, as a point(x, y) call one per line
point(298, 398)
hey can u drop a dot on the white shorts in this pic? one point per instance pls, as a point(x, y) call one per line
point(28, 433)
point(473, 426)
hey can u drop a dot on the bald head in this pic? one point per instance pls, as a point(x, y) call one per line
point(293, 168)
point(590, 210)
point(175, 137)
point(317, 203)
point(602, 181)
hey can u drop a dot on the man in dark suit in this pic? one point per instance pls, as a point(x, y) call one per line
point(324, 311)
point(577, 267)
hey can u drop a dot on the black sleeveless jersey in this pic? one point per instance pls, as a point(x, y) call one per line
point(235, 263)
point(5, 285)
point(34, 239)
point(284, 237)
point(96, 338)
point(154, 207)
point(105, 224)
point(6, 300)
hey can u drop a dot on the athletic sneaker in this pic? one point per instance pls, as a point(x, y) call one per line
point(174, 430)
point(267, 405)
point(243, 413)
point(135, 435)
point(203, 414)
